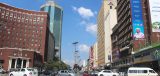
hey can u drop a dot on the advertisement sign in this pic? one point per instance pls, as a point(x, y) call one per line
point(155, 15)
point(137, 19)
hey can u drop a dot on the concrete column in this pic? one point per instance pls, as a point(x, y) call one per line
point(22, 64)
point(10, 64)
point(15, 66)
point(27, 63)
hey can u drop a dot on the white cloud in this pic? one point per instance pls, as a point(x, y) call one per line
point(83, 48)
point(92, 28)
point(84, 12)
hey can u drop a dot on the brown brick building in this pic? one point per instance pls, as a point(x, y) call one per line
point(22, 37)
point(126, 51)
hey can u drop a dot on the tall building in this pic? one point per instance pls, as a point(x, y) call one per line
point(135, 37)
point(55, 13)
point(49, 47)
point(106, 21)
point(22, 37)
point(91, 58)
point(95, 56)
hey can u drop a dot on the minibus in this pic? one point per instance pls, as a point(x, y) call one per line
point(141, 71)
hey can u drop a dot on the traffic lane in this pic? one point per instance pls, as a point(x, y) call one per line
point(3, 74)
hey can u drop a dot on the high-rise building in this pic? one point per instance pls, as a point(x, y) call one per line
point(124, 39)
point(91, 58)
point(106, 21)
point(135, 37)
point(95, 56)
point(22, 37)
point(55, 13)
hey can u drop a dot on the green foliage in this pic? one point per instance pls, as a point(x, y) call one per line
point(55, 64)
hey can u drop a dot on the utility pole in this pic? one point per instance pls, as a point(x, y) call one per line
point(75, 52)
point(76, 57)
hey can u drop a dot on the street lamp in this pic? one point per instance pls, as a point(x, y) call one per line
point(75, 56)
point(76, 51)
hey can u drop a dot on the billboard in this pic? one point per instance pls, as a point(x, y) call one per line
point(155, 15)
point(137, 19)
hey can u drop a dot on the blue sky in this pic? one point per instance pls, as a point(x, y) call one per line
point(79, 23)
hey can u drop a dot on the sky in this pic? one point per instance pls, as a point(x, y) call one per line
point(79, 24)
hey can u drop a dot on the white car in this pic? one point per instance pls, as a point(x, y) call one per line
point(107, 73)
point(65, 73)
point(24, 72)
point(1, 70)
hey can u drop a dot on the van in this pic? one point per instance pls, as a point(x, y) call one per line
point(141, 71)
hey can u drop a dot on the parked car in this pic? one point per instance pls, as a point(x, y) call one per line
point(94, 73)
point(2, 71)
point(85, 73)
point(141, 71)
point(24, 72)
point(107, 73)
point(66, 73)
point(49, 72)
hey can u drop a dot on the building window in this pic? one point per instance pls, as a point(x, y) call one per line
point(1, 53)
point(31, 44)
point(15, 16)
point(41, 27)
point(110, 7)
point(9, 32)
point(11, 14)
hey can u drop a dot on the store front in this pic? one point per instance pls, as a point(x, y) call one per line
point(148, 58)
point(1, 62)
point(18, 63)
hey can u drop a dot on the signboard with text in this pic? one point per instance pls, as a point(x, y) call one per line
point(155, 15)
point(137, 19)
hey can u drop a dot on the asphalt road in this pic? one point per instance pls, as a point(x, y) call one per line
point(3, 74)
point(39, 75)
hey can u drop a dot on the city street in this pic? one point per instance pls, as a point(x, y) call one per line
point(77, 37)
point(3, 74)
point(39, 75)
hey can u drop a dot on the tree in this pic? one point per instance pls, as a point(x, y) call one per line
point(55, 64)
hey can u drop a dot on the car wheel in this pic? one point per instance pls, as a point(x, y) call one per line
point(101, 75)
point(24, 75)
point(11, 75)
point(114, 75)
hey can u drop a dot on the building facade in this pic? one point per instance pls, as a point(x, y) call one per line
point(95, 56)
point(55, 13)
point(91, 58)
point(133, 37)
point(22, 37)
point(50, 46)
point(106, 21)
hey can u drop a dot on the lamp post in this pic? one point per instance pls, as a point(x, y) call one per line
point(76, 51)
point(75, 55)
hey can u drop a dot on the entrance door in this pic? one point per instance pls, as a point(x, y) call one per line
point(19, 62)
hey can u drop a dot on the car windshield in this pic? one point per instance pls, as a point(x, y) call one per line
point(71, 71)
point(30, 69)
point(96, 71)
point(151, 71)
point(107, 71)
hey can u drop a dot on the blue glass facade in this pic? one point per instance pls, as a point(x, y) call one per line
point(55, 23)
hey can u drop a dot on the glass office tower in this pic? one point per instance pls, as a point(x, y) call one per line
point(55, 13)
